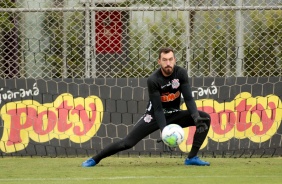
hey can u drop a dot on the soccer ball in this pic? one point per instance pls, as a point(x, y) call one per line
point(173, 135)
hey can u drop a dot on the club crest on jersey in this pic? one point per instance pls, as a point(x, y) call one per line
point(175, 83)
point(148, 118)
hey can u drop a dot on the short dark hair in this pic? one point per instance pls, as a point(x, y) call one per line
point(165, 50)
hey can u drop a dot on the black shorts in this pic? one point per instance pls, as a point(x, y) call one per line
point(144, 127)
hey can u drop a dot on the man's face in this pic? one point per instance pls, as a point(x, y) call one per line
point(167, 62)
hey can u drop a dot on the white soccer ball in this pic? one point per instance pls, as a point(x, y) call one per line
point(173, 135)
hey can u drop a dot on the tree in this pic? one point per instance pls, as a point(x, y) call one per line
point(5, 22)
point(263, 52)
point(65, 56)
point(169, 31)
point(9, 41)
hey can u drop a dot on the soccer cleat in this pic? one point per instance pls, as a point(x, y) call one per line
point(196, 161)
point(89, 163)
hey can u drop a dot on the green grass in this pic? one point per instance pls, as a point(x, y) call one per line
point(152, 170)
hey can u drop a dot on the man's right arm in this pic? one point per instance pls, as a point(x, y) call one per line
point(155, 98)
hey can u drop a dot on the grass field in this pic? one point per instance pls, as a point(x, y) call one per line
point(140, 170)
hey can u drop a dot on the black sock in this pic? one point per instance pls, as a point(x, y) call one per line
point(193, 152)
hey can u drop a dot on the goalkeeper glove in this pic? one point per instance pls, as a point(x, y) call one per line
point(201, 126)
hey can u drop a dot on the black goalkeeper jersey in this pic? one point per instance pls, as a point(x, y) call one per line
point(165, 94)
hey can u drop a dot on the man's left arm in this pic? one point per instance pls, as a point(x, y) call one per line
point(192, 107)
point(189, 100)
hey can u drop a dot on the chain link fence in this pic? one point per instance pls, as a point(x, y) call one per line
point(119, 38)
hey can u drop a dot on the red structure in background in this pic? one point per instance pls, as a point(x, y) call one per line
point(108, 32)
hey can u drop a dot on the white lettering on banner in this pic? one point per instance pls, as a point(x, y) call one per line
point(20, 93)
point(212, 90)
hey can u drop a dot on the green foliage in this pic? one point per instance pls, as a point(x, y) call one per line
point(263, 52)
point(133, 70)
point(7, 4)
point(262, 56)
point(72, 46)
point(6, 25)
point(56, 64)
point(5, 17)
point(136, 54)
point(149, 2)
point(144, 44)
point(168, 31)
point(213, 44)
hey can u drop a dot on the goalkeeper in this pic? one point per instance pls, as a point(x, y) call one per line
point(165, 86)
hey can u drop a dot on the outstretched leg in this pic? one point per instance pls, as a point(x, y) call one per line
point(184, 119)
point(140, 130)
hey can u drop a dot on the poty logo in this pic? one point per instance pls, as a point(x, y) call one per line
point(255, 118)
point(77, 119)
